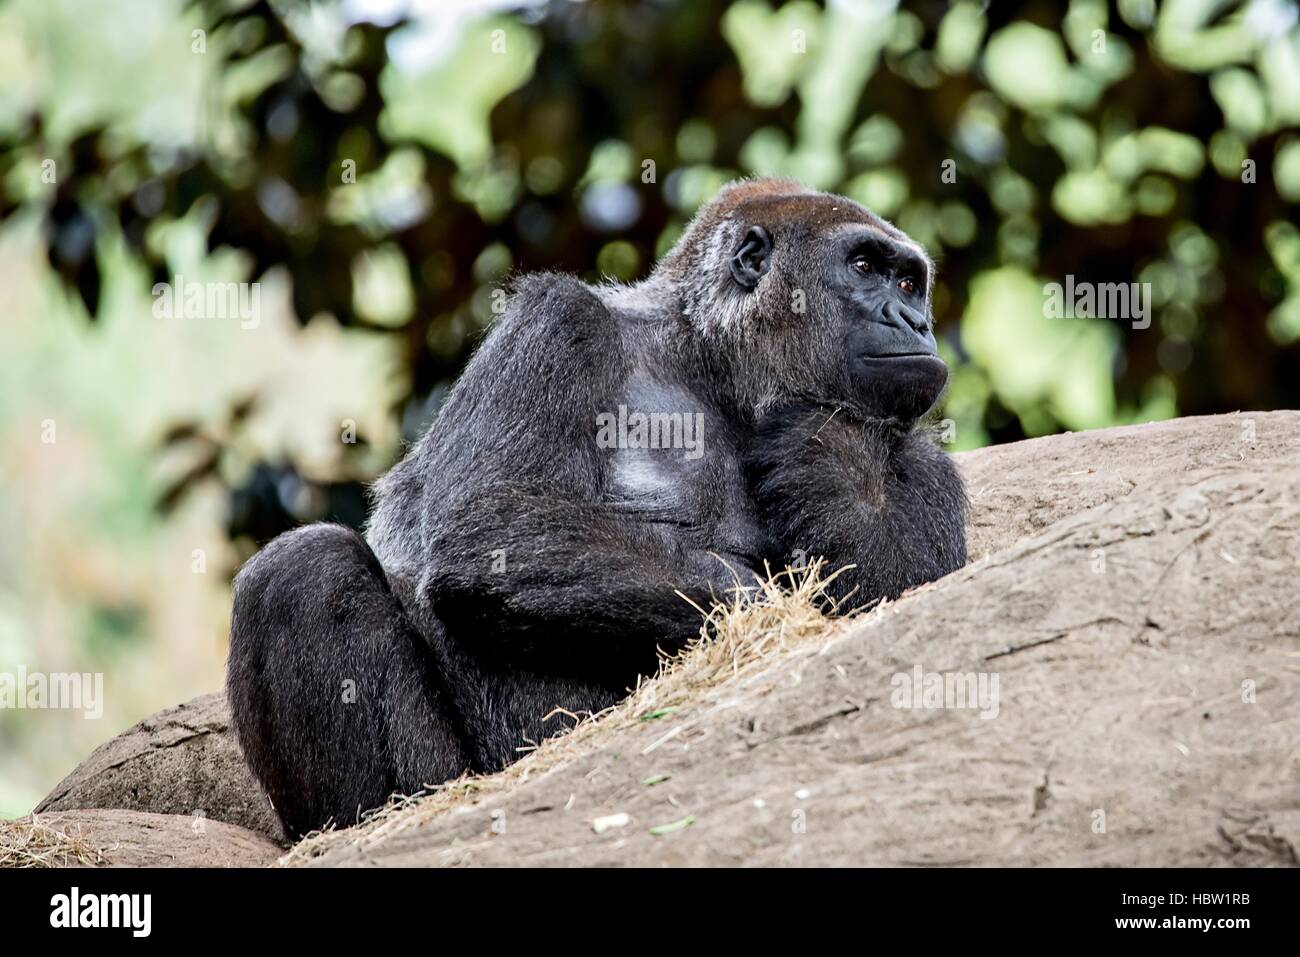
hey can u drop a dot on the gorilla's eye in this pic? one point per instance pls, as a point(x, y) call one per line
point(861, 263)
point(907, 285)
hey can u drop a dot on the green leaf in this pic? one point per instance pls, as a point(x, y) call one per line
point(681, 825)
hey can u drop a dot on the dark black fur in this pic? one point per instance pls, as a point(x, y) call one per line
point(900, 520)
point(519, 571)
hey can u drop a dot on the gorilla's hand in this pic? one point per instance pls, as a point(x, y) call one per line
point(857, 493)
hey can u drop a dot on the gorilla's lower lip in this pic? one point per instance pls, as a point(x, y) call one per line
point(900, 355)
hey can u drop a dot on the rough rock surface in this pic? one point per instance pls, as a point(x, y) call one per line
point(1133, 591)
point(1017, 490)
point(1149, 703)
point(184, 760)
point(118, 838)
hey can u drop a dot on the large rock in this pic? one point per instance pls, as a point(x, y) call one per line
point(184, 760)
point(117, 838)
point(1147, 708)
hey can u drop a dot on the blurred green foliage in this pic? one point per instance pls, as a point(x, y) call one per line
point(381, 166)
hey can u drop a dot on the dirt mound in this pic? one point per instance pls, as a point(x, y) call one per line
point(1112, 681)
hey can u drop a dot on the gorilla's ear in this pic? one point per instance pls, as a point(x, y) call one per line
point(752, 257)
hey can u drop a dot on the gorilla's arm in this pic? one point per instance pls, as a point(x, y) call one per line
point(858, 493)
point(563, 585)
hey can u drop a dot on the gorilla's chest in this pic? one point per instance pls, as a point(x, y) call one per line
point(675, 460)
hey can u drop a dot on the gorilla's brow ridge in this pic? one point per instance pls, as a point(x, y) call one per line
point(892, 237)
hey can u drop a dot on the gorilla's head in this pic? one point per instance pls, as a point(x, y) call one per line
point(811, 297)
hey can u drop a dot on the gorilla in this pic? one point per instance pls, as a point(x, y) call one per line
point(523, 561)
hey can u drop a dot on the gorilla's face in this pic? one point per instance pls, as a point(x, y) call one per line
point(882, 285)
point(866, 339)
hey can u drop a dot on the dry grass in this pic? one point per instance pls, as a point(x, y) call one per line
point(32, 843)
point(746, 637)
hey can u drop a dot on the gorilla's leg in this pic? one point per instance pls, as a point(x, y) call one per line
point(336, 698)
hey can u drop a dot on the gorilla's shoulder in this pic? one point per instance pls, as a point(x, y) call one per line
point(555, 296)
point(555, 318)
point(554, 328)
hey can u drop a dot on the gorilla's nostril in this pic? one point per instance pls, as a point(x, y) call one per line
point(904, 317)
